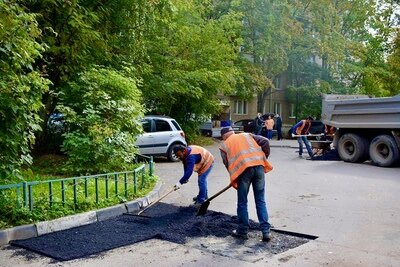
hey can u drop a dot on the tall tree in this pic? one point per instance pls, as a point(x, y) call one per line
point(343, 49)
point(21, 86)
point(268, 32)
point(83, 34)
point(192, 59)
point(392, 83)
point(72, 45)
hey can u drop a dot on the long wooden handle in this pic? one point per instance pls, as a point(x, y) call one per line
point(300, 135)
point(219, 193)
point(155, 202)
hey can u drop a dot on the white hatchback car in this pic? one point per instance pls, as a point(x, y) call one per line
point(161, 135)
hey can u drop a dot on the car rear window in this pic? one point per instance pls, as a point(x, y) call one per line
point(162, 126)
point(146, 124)
point(176, 125)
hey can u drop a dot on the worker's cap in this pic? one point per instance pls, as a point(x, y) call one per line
point(225, 130)
point(178, 148)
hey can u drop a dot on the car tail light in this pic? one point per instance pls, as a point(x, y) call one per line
point(182, 134)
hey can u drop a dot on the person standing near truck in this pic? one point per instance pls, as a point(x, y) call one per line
point(302, 128)
point(329, 132)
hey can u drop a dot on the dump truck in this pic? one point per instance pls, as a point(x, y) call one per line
point(367, 128)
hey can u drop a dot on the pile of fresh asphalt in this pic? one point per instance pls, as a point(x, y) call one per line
point(167, 222)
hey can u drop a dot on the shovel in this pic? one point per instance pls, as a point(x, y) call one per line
point(152, 204)
point(203, 208)
point(307, 135)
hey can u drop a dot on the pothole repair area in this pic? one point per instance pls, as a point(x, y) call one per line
point(211, 233)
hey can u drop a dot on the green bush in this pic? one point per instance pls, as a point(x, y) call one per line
point(103, 124)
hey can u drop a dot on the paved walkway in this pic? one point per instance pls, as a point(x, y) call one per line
point(352, 208)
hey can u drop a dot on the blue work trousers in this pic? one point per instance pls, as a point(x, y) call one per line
point(252, 176)
point(308, 145)
point(269, 134)
point(202, 182)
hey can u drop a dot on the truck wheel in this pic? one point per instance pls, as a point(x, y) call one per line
point(383, 151)
point(353, 148)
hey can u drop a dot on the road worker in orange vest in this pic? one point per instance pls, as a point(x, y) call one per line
point(245, 157)
point(200, 160)
point(302, 128)
point(329, 132)
point(269, 126)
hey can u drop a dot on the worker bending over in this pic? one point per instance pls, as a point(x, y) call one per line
point(302, 128)
point(198, 159)
point(245, 157)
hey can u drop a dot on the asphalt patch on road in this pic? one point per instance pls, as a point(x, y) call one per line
point(211, 233)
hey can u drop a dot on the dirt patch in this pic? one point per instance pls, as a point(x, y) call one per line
point(211, 232)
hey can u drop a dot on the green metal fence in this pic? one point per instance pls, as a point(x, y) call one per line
point(75, 190)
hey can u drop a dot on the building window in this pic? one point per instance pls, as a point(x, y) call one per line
point(277, 82)
point(278, 108)
point(240, 107)
point(292, 111)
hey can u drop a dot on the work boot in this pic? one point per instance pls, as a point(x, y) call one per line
point(243, 236)
point(266, 237)
point(301, 156)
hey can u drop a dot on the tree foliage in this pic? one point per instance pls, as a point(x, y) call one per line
point(21, 86)
point(344, 45)
point(103, 123)
point(392, 83)
point(88, 58)
point(192, 59)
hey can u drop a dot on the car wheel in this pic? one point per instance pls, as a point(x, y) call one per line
point(170, 154)
point(383, 151)
point(353, 148)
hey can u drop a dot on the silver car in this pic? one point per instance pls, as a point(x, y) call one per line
point(161, 135)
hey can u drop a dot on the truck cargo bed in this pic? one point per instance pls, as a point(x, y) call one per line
point(360, 111)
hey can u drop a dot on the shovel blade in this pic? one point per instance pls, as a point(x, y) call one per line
point(203, 208)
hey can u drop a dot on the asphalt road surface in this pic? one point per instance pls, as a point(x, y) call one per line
point(352, 208)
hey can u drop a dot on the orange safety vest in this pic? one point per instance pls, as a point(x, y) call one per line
point(242, 151)
point(269, 124)
point(303, 128)
point(329, 130)
point(206, 159)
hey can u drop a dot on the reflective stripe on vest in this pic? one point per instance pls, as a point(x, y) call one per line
point(206, 159)
point(242, 152)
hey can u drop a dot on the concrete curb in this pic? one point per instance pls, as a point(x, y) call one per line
point(41, 228)
point(4, 237)
point(17, 233)
point(110, 212)
point(65, 222)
